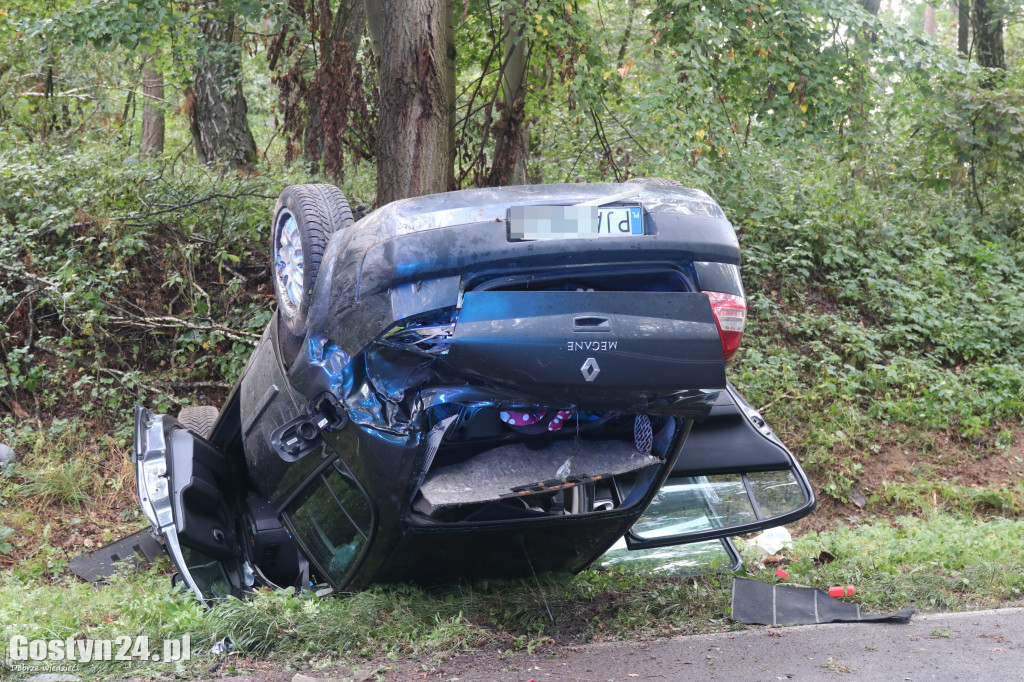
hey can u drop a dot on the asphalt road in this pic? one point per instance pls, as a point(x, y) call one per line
point(978, 645)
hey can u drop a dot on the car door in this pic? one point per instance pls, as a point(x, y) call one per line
point(733, 476)
point(186, 489)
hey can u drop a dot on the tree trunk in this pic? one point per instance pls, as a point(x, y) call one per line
point(931, 27)
point(872, 6)
point(375, 26)
point(963, 27)
point(957, 174)
point(988, 35)
point(625, 36)
point(331, 94)
point(508, 137)
point(152, 109)
point(413, 128)
point(450, 80)
point(863, 45)
point(217, 110)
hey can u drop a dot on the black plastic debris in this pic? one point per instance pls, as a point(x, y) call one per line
point(758, 603)
point(141, 548)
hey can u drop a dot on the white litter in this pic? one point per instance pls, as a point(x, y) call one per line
point(772, 541)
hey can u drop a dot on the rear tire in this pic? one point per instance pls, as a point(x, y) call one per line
point(199, 419)
point(304, 219)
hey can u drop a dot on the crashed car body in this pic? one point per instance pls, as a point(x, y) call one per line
point(478, 383)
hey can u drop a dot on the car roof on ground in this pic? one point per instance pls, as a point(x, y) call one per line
point(483, 205)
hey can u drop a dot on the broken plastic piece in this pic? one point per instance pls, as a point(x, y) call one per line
point(224, 646)
point(139, 549)
point(841, 591)
point(858, 498)
point(782, 575)
point(758, 603)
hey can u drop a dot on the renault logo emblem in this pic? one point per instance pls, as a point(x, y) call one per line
point(590, 369)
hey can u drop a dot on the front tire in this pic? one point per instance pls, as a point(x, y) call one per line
point(304, 219)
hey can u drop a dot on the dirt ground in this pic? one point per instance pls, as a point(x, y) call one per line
point(950, 462)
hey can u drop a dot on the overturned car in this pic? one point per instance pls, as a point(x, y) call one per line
point(477, 383)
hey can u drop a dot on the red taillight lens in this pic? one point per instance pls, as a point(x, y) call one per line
point(730, 314)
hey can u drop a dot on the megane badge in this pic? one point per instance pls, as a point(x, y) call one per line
point(590, 369)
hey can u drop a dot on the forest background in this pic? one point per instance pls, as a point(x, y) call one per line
point(870, 156)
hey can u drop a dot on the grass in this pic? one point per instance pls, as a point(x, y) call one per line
point(919, 494)
point(71, 488)
point(941, 562)
point(944, 561)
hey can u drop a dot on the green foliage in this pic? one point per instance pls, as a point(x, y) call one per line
point(786, 65)
point(5, 546)
point(107, 23)
point(568, 67)
point(136, 267)
point(913, 496)
point(376, 622)
point(893, 300)
point(966, 125)
point(135, 604)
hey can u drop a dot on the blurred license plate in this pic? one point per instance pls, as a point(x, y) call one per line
point(573, 222)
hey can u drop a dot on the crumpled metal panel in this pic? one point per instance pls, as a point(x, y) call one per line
point(410, 257)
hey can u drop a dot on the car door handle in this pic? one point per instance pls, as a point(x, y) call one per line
point(591, 323)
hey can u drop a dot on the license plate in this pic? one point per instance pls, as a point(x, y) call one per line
point(573, 222)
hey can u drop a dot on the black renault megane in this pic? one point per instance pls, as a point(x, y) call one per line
point(478, 383)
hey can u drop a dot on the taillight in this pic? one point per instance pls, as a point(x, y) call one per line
point(730, 315)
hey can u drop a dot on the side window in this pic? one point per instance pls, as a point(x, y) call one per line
point(333, 521)
point(705, 507)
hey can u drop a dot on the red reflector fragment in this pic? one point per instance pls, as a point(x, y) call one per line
point(730, 315)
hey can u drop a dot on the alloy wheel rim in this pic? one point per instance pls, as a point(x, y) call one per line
point(289, 260)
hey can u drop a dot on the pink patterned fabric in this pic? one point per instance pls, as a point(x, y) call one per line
point(521, 418)
point(559, 420)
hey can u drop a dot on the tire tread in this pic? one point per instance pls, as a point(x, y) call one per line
point(199, 419)
point(321, 210)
